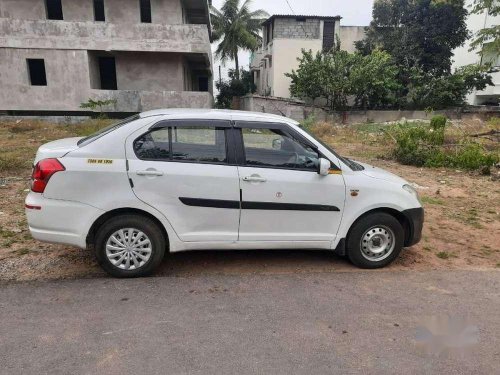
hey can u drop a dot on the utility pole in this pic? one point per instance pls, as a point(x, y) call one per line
point(220, 75)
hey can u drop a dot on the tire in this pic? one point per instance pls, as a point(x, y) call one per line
point(375, 240)
point(148, 250)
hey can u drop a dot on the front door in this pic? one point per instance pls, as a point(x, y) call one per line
point(283, 196)
point(181, 168)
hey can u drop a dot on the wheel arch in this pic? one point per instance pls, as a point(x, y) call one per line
point(398, 215)
point(122, 211)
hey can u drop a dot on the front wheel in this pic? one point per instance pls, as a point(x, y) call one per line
point(375, 240)
point(130, 246)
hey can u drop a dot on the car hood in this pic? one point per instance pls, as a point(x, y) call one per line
point(57, 149)
point(381, 174)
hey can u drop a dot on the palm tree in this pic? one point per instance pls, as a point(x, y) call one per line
point(236, 27)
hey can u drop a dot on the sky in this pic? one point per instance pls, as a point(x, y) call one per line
point(353, 13)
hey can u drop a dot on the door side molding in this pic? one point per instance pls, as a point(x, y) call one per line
point(217, 203)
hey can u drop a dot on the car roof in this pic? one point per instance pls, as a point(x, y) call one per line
point(218, 114)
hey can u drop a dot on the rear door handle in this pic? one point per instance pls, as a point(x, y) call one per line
point(254, 178)
point(149, 172)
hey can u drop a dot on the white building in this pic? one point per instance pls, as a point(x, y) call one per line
point(462, 56)
point(285, 36)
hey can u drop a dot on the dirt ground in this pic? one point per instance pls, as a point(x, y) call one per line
point(462, 228)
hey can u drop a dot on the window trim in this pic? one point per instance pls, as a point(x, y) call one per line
point(201, 123)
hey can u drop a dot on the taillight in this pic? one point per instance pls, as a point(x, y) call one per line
point(42, 172)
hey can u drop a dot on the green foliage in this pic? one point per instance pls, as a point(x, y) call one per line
point(335, 75)
point(234, 87)
point(417, 33)
point(424, 146)
point(97, 104)
point(374, 81)
point(236, 27)
point(438, 123)
point(488, 38)
point(429, 89)
point(308, 123)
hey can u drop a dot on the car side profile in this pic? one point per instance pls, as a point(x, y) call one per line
point(177, 180)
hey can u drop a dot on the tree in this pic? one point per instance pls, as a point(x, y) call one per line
point(236, 28)
point(428, 90)
point(234, 87)
point(374, 81)
point(420, 33)
point(489, 37)
point(337, 75)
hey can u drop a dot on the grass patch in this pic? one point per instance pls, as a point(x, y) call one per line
point(445, 255)
point(23, 251)
point(429, 146)
point(431, 200)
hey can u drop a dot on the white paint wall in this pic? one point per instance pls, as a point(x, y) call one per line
point(285, 53)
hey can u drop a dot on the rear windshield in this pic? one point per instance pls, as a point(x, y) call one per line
point(108, 129)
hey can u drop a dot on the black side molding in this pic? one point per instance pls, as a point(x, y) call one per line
point(286, 206)
point(214, 203)
point(219, 203)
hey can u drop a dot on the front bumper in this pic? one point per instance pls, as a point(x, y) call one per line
point(415, 219)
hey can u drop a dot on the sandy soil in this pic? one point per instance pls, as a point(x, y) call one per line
point(462, 231)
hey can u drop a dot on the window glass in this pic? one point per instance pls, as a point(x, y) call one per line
point(198, 144)
point(108, 129)
point(204, 144)
point(154, 145)
point(275, 148)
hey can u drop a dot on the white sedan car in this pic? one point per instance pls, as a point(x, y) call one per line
point(176, 180)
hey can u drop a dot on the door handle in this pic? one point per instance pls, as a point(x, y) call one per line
point(254, 178)
point(149, 172)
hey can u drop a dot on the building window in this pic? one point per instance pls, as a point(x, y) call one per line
point(328, 35)
point(145, 10)
point(203, 84)
point(54, 9)
point(99, 10)
point(36, 70)
point(107, 73)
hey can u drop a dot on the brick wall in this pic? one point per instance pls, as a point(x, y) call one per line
point(290, 28)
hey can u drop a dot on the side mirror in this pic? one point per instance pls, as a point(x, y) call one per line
point(324, 167)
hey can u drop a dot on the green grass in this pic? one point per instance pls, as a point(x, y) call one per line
point(431, 200)
point(445, 255)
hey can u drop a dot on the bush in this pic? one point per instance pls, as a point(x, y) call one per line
point(423, 146)
point(438, 122)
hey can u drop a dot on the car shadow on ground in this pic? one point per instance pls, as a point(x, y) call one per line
point(192, 263)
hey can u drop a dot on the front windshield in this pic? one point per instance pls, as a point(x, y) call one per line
point(108, 129)
point(350, 163)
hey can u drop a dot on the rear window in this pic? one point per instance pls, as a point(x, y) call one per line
point(108, 129)
point(199, 144)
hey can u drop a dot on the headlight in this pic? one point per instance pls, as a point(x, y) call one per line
point(410, 189)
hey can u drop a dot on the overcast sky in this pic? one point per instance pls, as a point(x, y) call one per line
point(353, 13)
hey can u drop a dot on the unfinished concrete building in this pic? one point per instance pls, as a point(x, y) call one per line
point(143, 54)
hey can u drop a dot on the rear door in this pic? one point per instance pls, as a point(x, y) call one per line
point(283, 196)
point(184, 169)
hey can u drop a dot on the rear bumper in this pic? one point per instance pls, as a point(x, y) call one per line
point(59, 221)
point(415, 218)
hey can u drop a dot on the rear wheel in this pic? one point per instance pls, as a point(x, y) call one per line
point(130, 246)
point(375, 240)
